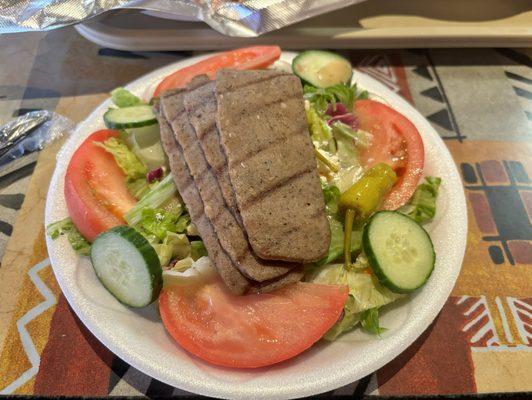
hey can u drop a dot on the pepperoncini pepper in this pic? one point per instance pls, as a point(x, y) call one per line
point(363, 198)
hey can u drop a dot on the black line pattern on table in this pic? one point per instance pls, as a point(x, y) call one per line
point(118, 369)
point(437, 109)
point(6, 228)
point(523, 93)
point(159, 389)
point(12, 201)
point(433, 93)
point(517, 77)
point(423, 71)
point(362, 386)
point(445, 118)
point(154, 388)
point(522, 86)
point(16, 175)
point(442, 119)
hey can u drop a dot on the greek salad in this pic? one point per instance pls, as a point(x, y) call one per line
point(127, 215)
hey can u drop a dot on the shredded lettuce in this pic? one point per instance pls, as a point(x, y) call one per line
point(331, 193)
point(66, 227)
point(365, 292)
point(369, 320)
point(163, 220)
point(192, 230)
point(336, 248)
point(124, 98)
point(342, 93)
point(138, 187)
point(197, 250)
point(349, 320)
point(349, 142)
point(158, 195)
point(157, 222)
point(320, 131)
point(125, 158)
point(422, 206)
point(173, 246)
point(182, 265)
point(164, 229)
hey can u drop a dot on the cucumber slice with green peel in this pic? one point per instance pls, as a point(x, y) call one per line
point(127, 265)
point(400, 252)
point(322, 68)
point(129, 117)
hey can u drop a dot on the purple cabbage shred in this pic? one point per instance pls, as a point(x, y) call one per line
point(338, 112)
point(155, 175)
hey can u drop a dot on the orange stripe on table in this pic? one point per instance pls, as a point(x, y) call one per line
point(73, 363)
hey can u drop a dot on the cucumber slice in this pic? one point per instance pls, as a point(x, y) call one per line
point(399, 251)
point(129, 117)
point(127, 265)
point(322, 68)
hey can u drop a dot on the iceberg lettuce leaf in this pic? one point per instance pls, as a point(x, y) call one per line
point(66, 227)
point(365, 292)
point(128, 162)
point(422, 206)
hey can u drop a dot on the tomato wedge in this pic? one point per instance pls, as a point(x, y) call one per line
point(95, 191)
point(250, 331)
point(396, 141)
point(246, 58)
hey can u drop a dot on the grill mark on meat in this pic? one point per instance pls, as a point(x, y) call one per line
point(200, 103)
point(266, 105)
point(269, 178)
point(232, 277)
point(260, 149)
point(247, 84)
point(268, 286)
point(211, 127)
point(233, 243)
point(219, 164)
point(183, 179)
point(278, 185)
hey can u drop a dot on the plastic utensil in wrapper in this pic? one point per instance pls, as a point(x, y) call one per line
point(245, 18)
point(22, 137)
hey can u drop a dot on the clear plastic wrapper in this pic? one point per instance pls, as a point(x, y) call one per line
point(29, 133)
point(234, 18)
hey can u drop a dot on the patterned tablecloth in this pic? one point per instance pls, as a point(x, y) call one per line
point(480, 101)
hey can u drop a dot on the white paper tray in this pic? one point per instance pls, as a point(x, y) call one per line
point(371, 24)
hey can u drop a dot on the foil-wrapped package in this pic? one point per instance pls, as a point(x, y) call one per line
point(245, 18)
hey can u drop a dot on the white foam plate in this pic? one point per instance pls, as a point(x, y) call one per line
point(139, 338)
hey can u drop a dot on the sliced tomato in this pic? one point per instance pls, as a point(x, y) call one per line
point(251, 331)
point(395, 141)
point(246, 58)
point(95, 190)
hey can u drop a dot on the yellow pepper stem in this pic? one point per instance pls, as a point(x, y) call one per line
point(349, 218)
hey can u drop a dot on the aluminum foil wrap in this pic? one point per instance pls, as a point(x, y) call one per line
point(233, 18)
